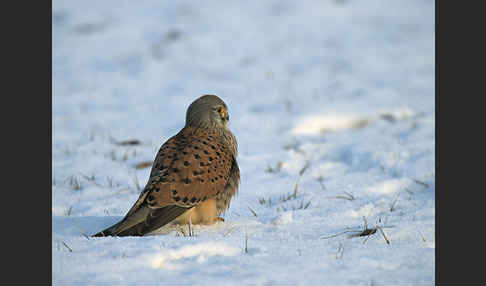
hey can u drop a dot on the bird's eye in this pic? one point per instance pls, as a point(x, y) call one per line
point(219, 110)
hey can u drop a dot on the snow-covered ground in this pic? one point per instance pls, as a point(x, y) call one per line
point(332, 103)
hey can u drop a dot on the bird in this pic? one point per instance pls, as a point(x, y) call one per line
point(193, 177)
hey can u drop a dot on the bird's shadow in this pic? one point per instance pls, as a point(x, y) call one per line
point(86, 225)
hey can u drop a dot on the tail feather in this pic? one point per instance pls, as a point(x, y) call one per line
point(155, 220)
point(143, 221)
point(107, 232)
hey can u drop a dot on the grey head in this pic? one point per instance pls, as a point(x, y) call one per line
point(208, 111)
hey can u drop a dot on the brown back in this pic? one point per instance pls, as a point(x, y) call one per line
point(189, 168)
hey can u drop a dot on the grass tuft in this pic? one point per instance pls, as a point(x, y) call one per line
point(275, 169)
point(69, 211)
point(264, 201)
point(190, 230)
point(302, 206)
point(91, 178)
point(74, 182)
point(365, 232)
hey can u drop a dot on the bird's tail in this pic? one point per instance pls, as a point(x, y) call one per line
point(143, 221)
point(107, 232)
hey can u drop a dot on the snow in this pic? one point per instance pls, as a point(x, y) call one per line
point(202, 251)
point(333, 106)
point(283, 218)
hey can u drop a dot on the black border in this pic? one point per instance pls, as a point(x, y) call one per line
point(27, 140)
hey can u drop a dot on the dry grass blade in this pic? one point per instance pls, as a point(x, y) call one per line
point(131, 142)
point(74, 182)
point(306, 166)
point(307, 205)
point(135, 181)
point(320, 179)
point(91, 179)
point(366, 239)
point(409, 191)
point(88, 178)
point(388, 117)
point(367, 232)
point(67, 246)
point(181, 230)
point(246, 241)
point(143, 165)
point(348, 196)
point(383, 233)
point(421, 183)
point(334, 235)
point(392, 207)
point(296, 189)
point(340, 251)
point(421, 235)
point(277, 169)
point(110, 182)
point(264, 201)
point(229, 231)
point(351, 197)
point(253, 212)
point(191, 230)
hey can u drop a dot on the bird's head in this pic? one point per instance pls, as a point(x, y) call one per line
point(207, 111)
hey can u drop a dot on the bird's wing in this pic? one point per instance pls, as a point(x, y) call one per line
point(191, 167)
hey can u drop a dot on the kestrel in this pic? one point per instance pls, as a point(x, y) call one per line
point(193, 177)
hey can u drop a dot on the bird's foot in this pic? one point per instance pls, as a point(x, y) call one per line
point(216, 219)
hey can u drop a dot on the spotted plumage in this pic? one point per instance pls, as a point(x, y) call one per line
point(194, 165)
point(194, 175)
